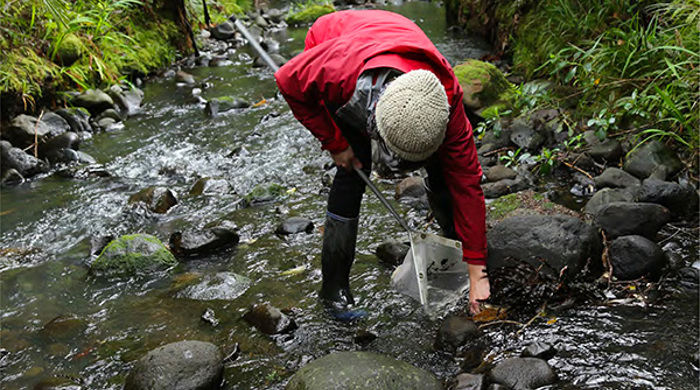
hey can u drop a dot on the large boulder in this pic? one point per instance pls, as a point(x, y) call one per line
point(454, 332)
point(623, 219)
point(608, 152)
point(361, 371)
point(483, 84)
point(633, 257)
point(681, 200)
point(133, 254)
point(185, 365)
point(560, 240)
point(95, 101)
point(269, 319)
point(77, 118)
point(523, 373)
point(651, 157)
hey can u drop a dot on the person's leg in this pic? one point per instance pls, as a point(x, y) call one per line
point(440, 199)
point(340, 231)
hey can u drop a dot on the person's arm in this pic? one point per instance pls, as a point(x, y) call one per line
point(463, 173)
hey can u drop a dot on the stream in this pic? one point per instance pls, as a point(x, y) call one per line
point(58, 320)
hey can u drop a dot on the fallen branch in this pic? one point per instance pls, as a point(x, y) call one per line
point(578, 169)
point(36, 135)
point(487, 154)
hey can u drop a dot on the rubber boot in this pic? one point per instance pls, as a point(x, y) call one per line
point(337, 256)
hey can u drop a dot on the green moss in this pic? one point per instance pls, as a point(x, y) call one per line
point(265, 193)
point(23, 71)
point(504, 205)
point(70, 49)
point(309, 12)
point(483, 83)
point(133, 254)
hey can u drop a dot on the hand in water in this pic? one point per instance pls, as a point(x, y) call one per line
point(346, 159)
point(479, 288)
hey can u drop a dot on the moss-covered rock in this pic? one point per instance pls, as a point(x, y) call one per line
point(133, 254)
point(483, 84)
point(309, 13)
point(69, 51)
point(523, 203)
point(266, 192)
point(361, 370)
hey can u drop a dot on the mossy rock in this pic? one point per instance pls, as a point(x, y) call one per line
point(264, 193)
point(69, 51)
point(523, 203)
point(483, 84)
point(309, 14)
point(132, 255)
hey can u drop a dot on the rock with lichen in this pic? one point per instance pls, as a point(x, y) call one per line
point(483, 84)
point(132, 255)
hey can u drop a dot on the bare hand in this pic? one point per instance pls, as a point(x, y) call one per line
point(346, 159)
point(479, 288)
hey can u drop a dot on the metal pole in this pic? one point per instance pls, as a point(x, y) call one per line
point(253, 42)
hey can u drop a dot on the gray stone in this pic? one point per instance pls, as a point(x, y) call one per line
point(184, 77)
point(225, 286)
point(624, 219)
point(224, 31)
point(607, 152)
point(560, 240)
point(392, 253)
point(23, 129)
point(128, 100)
point(156, 199)
point(500, 139)
point(361, 371)
point(185, 365)
point(525, 136)
point(469, 382)
point(455, 332)
point(681, 200)
point(133, 254)
point(67, 140)
point(220, 105)
point(616, 178)
point(11, 176)
point(523, 373)
point(105, 123)
point(294, 225)
point(648, 157)
point(275, 15)
point(633, 257)
point(411, 187)
point(94, 101)
point(57, 125)
point(77, 118)
point(609, 195)
point(500, 172)
point(269, 320)
point(505, 187)
point(205, 242)
point(23, 163)
point(277, 58)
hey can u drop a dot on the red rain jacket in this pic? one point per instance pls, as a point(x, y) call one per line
point(342, 45)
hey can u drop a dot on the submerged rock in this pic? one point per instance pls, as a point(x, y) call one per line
point(133, 254)
point(624, 219)
point(185, 365)
point(392, 253)
point(184, 77)
point(523, 373)
point(205, 242)
point(454, 332)
point(210, 186)
point(469, 382)
point(361, 371)
point(23, 163)
point(269, 320)
point(633, 257)
point(295, 225)
point(540, 350)
point(225, 286)
point(265, 193)
point(156, 199)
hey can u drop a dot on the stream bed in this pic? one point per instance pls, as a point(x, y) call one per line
point(57, 320)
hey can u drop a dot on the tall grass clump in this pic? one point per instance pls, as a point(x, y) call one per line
point(632, 63)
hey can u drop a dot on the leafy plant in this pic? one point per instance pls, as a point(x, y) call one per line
point(603, 122)
point(514, 158)
point(547, 160)
point(492, 121)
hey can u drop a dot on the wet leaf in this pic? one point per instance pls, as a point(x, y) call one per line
point(260, 103)
point(294, 271)
point(551, 321)
point(490, 313)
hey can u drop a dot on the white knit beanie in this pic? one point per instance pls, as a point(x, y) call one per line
point(412, 115)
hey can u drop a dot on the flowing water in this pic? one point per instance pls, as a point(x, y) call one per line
point(57, 320)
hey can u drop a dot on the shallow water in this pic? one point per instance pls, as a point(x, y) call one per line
point(59, 320)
